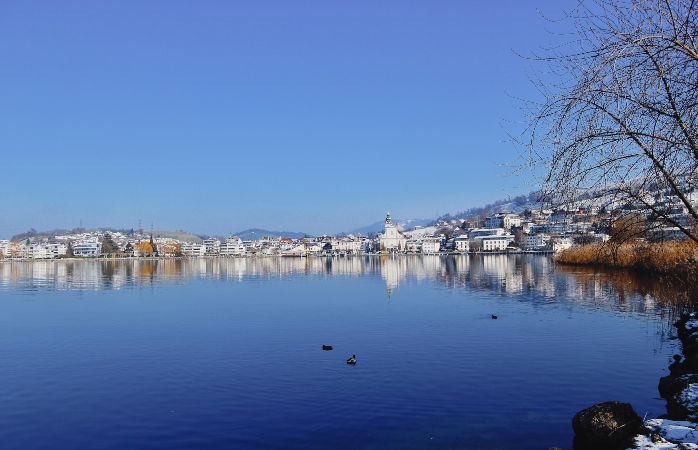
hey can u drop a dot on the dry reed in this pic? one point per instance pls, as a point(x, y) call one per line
point(671, 257)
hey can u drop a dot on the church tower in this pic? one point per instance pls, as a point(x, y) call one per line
point(392, 238)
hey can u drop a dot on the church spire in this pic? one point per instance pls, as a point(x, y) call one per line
point(388, 220)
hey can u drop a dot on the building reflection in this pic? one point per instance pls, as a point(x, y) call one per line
point(507, 274)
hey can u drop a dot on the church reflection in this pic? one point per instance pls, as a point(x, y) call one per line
point(506, 274)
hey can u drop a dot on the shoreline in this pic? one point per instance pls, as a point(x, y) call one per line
point(678, 258)
point(615, 425)
point(339, 255)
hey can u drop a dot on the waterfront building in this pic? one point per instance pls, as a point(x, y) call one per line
point(492, 243)
point(462, 244)
point(414, 245)
point(212, 246)
point(87, 249)
point(392, 238)
point(561, 243)
point(431, 245)
point(190, 249)
point(347, 245)
point(536, 241)
point(233, 246)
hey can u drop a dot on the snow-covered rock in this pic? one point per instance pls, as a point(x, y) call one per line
point(685, 402)
point(667, 435)
point(691, 324)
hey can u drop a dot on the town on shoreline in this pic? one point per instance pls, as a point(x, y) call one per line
point(539, 231)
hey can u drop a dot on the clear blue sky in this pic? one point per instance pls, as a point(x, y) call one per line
point(312, 116)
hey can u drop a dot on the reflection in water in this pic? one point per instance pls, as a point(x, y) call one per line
point(233, 364)
point(510, 274)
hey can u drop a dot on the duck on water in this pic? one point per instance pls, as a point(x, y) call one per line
point(352, 360)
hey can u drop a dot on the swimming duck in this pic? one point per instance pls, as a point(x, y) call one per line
point(352, 360)
point(493, 316)
point(327, 347)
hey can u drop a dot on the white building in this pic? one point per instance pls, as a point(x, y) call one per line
point(233, 246)
point(503, 220)
point(535, 241)
point(87, 249)
point(190, 249)
point(40, 251)
point(57, 249)
point(348, 245)
point(392, 238)
point(493, 243)
point(462, 244)
point(476, 232)
point(212, 246)
point(414, 245)
point(431, 245)
point(561, 244)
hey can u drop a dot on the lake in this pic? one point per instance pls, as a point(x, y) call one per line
point(227, 353)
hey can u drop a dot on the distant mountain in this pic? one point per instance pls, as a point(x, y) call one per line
point(378, 227)
point(256, 233)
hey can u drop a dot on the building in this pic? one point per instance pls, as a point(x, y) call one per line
point(392, 239)
point(536, 241)
point(233, 246)
point(492, 243)
point(212, 246)
point(87, 249)
point(431, 245)
point(560, 243)
point(462, 244)
point(4, 248)
point(348, 245)
point(414, 245)
point(503, 220)
point(190, 249)
point(476, 232)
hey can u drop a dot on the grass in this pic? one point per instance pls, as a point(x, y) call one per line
point(672, 257)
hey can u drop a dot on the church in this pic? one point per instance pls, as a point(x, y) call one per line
point(392, 238)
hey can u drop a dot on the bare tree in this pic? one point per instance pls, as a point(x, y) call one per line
point(618, 126)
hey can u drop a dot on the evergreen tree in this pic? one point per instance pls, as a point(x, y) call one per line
point(69, 251)
point(108, 245)
point(152, 244)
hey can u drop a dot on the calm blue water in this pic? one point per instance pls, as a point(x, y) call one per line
point(227, 353)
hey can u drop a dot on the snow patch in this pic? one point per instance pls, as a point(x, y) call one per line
point(691, 324)
point(673, 434)
point(674, 430)
point(646, 443)
point(422, 232)
point(688, 398)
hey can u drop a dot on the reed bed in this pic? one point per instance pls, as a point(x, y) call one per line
point(671, 257)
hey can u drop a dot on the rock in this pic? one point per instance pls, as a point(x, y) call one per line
point(674, 431)
point(690, 347)
point(656, 442)
point(609, 425)
point(684, 404)
point(671, 385)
